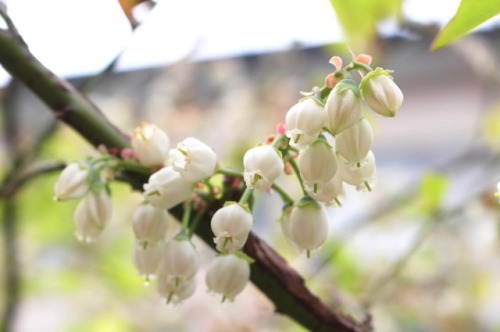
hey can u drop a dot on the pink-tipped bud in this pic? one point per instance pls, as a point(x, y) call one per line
point(364, 59)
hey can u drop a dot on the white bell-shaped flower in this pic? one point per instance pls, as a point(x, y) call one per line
point(263, 164)
point(227, 275)
point(363, 177)
point(149, 223)
point(331, 193)
point(147, 257)
point(180, 259)
point(380, 92)
point(166, 188)
point(150, 144)
point(175, 290)
point(343, 106)
point(92, 215)
point(317, 164)
point(231, 225)
point(304, 121)
point(354, 143)
point(305, 226)
point(74, 182)
point(193, 159)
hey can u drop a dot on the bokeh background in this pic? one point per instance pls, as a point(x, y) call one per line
point(421, 251)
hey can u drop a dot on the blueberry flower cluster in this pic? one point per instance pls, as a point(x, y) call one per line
point(332, 141)
point(326, 141)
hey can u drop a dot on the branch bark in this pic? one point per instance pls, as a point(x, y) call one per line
point(283, 285)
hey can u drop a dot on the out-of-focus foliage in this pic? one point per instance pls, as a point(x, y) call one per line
point(432, 191)
point(491, 128)
point(359, 18)
point(470, 14)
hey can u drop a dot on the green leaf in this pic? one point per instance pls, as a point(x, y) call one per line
point(432, 192)
point(359, 18)
point(470, 14)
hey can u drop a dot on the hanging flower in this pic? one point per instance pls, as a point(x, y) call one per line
point(174, 290)
point(317, 164)
point(354, 143)
point(363, 177)
point(92, 215)
point(74, 182)
point(166, 188)
point(227, 275)
point(231, 225)
point(305, 226)
point(149, 223)
point(262, 165)
point(331, 192)
point(304, 121)
point(193, 159)
point(180, 259)
point(147, 257)
point(150, 144)
point(380, 92)
point(343, 106)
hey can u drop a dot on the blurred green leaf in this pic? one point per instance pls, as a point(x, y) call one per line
point(432, 192)
point(359, 18)
point(469, 15)
point(104, 323)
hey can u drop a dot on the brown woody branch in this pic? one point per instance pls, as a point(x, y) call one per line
point(282, 285)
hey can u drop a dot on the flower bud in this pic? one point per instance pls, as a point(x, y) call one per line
point(304, 122)
point(331, 192)
point(343, 106)
point(262, 165)
point(74, 182)
point(175, 290)
point(362, 177)
point(180, 259)
point(147, 257)
point(166, 188)
point(149, 224)
point(193, 159)
point(354, 143)
point(150, 144)
point(92, 215)
point(380, 92)
point(227, 275)
point(306, 225)
point(317, 164)
point(231, 225)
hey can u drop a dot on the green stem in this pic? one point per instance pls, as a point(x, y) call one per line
point(229, 172)
point(195, 222)
point(132, 166)
point(359, 66)
point(299, 177)
point(277, 141)
point(283, 194)
point(246, 196)
point(186, 216)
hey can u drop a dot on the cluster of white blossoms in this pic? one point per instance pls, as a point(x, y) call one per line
point(84, 181)
point(332, 142)
point(326, 141)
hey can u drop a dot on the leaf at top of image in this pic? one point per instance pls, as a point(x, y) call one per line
point(469, 15)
